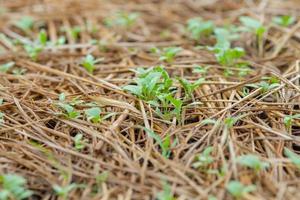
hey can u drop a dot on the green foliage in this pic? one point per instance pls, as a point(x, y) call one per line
point(199, 28)
point(63, 192)
point(229, 56)
point(238, 190)
point(225, 35)
point(75, 31)
point(200, 69)
point(79, 143)
point(70, 111)
point(165, 144)
point(93, 114)
point(166, 194)
point(89, 63)
point(13, 187)
point(33, 50)
point(230, 121)
point(190, 87)
point(43, 37)
point(7, 66)
point(284, 20)
point(168, 54)
point(204, 158)
point(294, 158)
point(122, 19)
point(288, 119)
point(101, 178)
point(252, 161)
point(25, 23)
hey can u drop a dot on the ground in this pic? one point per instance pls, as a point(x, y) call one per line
point(149, 99)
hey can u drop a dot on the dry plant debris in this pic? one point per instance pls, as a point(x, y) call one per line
point(149, 99)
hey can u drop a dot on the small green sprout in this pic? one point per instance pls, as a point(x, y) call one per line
point(75, 31)
point(230, 121)
point(288, 119)
point(200, 69)
point(13, 187)
point(225, 35)
point(284, 20)
point(238, 190)
point(19, 71)
point(204, 158)
point(43, 37)
point(63, 192)
point(122, 19)
point(177, 103)
point(89, 63)
point(79, 143)
point(294, 158)
point(101, 178)
point(166, 194)
point(252, 161)
point(93, 114)
point(165, 144)
point(199, 28)
point(7, 66)
point(229, 57)
point(33, 50)
point(61, 40)
point(190, 87)
point(70, 111)
point(25, 23)
point(168, 54)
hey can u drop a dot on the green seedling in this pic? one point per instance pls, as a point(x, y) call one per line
point(19, 71)
point(284, 20)
point(293, 157)
point(238, 190)
point(189, 87)
point(267, 84)
point(177, 103)
point(61, 40)
point(199, 28)
point(75, 31)
point(25, 23)
point(13, 187)
point(122, 19)
point(79, 142)
point(33, 50)
point(204, 158)
point(229, 56)
point(63, 191)
point(42, 37)
point(224, 36)
point(93, 114)
point(288, 119)
point(208, 121)
point(168, 54)
point(231, 121)
point(7, 66)
point(200, 69)
point(67, 107)
point(252, 161)
point(89, 63)
point(165, 144)
point(102, 178)
point(166, 194)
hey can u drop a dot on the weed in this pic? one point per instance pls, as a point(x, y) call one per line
point(89, 63)
point(204, 158)
point(168, 54)
point(122, 19)
point(284, 20)
point(33, 50)
point(200, 69)
point(63, 191)
point(13, 187)
point(166, 194)
point(79, 143)
point(199, 28)
point(252, 161)
point(238, 190)
point(288, 119)
point(294, 158)
point(69, 109)
point(93, 114)
point(75, 31)
point(25, 23)
point(43, 37)
point(7, 66)
point(190, 87)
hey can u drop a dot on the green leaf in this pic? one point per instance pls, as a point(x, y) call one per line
point(250, 22)
point(238, 190)
point(204, 159)
point(295, 159)
point(25, 23)
point(169, 53)
point(93, 114)
point(7, 66)
point(199, 28)
point(79, 143)
point(166, 194)
point(89, 63)
point(284, 20)
point(43, 37)
point(62, 97)
point(252, 161)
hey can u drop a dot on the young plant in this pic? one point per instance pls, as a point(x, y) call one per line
point(238, 190)
point(122, 19)
point(165, 144)
point(294, 158)
point(284, 20)
point(230, 121)
point(42, 37)
point(75, 31)
point(33, 50)
point(166, 194)
point(63, 192)
point(190, 87)
point(7, 66)
point(204, 158)
point(71, 113)
point(252, 161)
point(288, 119)
point(79, 142)
point(25, 23)
point(89, 63)
point(13, 187)
point(199, 28)
point(225, 35)
point(93, 114)
point(200, 69)
point(168, 54)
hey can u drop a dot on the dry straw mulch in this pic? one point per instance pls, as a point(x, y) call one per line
point(38, 143)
